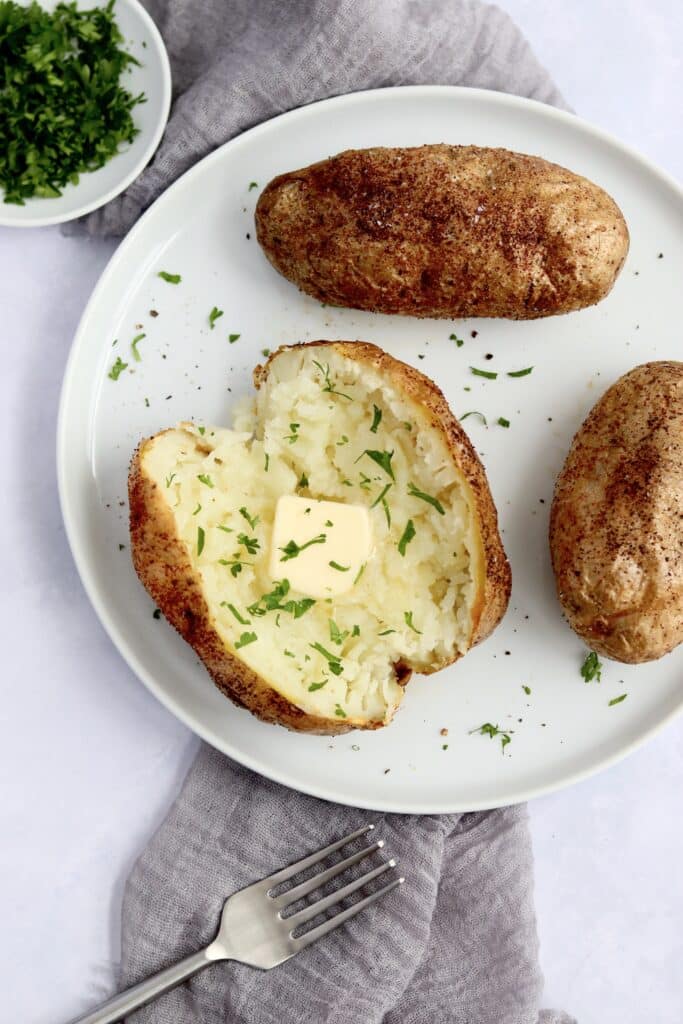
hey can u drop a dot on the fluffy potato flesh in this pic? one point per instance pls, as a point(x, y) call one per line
point(325, 426)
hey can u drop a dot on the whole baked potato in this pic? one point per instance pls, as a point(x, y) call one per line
point(616, 525)
point(443, 231)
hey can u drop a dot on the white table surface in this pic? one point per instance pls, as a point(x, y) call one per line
point(89, 761)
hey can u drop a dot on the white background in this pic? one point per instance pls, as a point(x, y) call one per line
point(89, 761)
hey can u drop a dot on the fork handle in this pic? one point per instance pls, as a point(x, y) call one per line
point(118, 1006)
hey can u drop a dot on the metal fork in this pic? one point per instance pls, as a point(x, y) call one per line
point(254, 928)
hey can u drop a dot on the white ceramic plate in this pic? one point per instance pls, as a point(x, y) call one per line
point(153, 77)
point(202, 227)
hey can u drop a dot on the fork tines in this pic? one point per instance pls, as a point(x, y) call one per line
point(317, 881)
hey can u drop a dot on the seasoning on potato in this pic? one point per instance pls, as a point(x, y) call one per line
point(443, 231)
point(616, 533)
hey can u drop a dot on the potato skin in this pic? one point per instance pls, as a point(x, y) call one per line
point(616, 524)
point(443, 231)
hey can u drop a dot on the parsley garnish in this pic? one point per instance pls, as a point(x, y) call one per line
point(336, 634)
point(214, 315)
point(405, 540)
point(205, 479)
point(232, 338)
point(117, 369)
point(342, 441)
point(63, 109)
point(246, 638)
point(202, 430)
point(355, 631)
point(134, 347)
point(380, 496)
point(317, 686)
point(339, 711)
point(333, 660)
point(288, 654)
point(240, 619)
point(458, 341)
point(266, 462)
point(487, 729)
point(329, 385)
point(252, 184)
point(198, 509)
point(200, 540)
point(408, 617)
point(474, 412)
point(170, 479)
point(156, 614)
point(520, 373)
point(489, 374)
point(591, 668)
point(236, 564)
point(169, 278)
point(383, 460)
point(617, 700)
point(252, 520)
point(338, 567)
point(225, 529)
point(386, 632)
point(360, 573)
point(376, 419)
point(294, 427)
point(502, 422)
point(527, 690)
point(303, 481)
point(265, 352)
point(250, 543)
point(273, 602)
point(415, 493)
point(292, 549)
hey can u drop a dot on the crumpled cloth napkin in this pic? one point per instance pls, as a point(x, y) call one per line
point(457, 943)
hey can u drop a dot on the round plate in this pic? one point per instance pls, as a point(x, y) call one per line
point(202, 228)
point(153, 77)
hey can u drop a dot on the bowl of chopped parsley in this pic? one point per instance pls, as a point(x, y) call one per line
point(84, 99)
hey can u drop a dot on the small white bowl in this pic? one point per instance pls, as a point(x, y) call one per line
point(141, 38)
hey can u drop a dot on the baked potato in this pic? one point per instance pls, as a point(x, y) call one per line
point(616, 524)
point(443, 231)
point(340, 425)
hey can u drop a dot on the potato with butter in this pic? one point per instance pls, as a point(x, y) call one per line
point(252, 540)
point(443, 231)
point(616, 524)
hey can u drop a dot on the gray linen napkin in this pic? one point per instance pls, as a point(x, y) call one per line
point(458, 942)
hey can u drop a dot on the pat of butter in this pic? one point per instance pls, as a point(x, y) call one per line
point(319, 546)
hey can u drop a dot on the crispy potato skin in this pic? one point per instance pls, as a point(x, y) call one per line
point(161, 561)
point(616, 524)
point(443, 231)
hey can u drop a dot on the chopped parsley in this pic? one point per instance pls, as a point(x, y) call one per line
point(616, 700)
point(520, 373)
point(169, 278)
point(170, 479)
point(406, 538)
point(360, 573)
point(117, 369)
point(382, 459)
point(214, 315)
point(225, 529)
point(294, 435)
point(252, 185)
point(156, 614)
point(231, 607)
point(487, 729)
point(200, 540)
point(591, 668)
point(202, 430)
point(246, 638)
point(236, 564)
point(338, 567)
point(337, 636)
point(381, 495)
point(274, 602)
point(250, 543)
point(198, 509)
point(527, 690)
point(328, 522)
point(355, 631)
point(365, 482)
point(303, 481)
point(266, 462)
point(333, 660)
point(339, 711)
point(265, 352)
point(205, 479)
point(458, 341)
point(317, 686)
point(434, 502)
point(473, 412)
point(489, 374)
point(328, 384)
point(376, 419)
point(386, 632)
point(502, 422)
point(134, 347)
point(288, 654)
point(292, 549)
point(232, 338)
point(252, 520)
point(408, 617)
point(63, 107)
